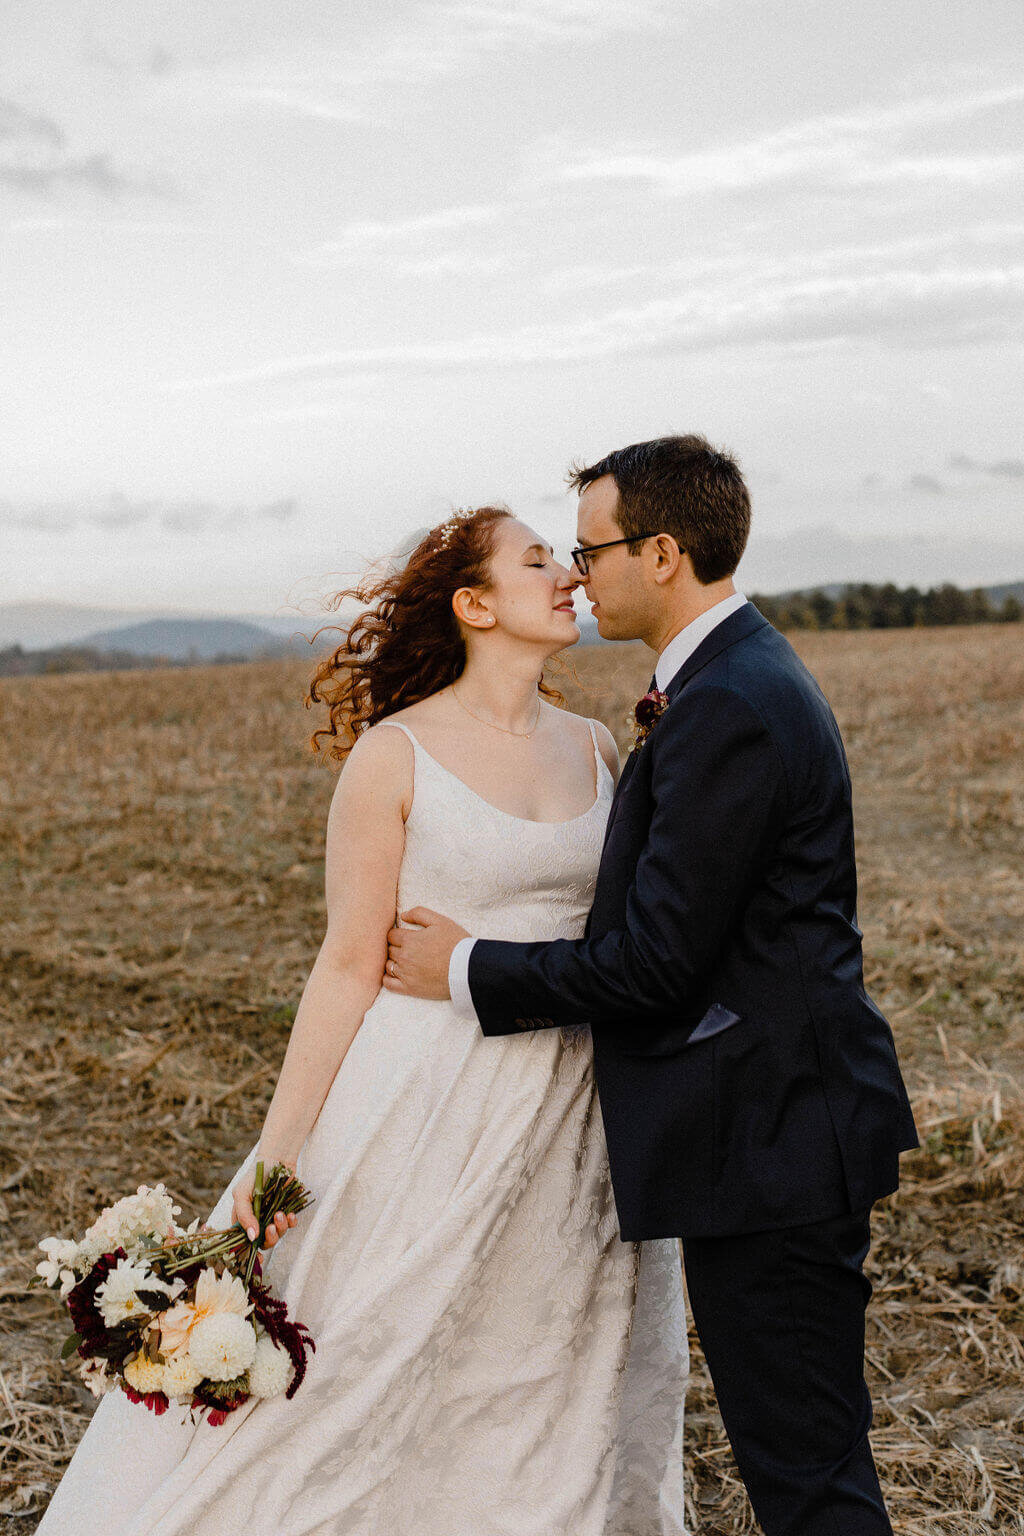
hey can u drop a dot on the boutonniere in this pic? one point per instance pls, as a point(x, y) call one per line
point(645, 714)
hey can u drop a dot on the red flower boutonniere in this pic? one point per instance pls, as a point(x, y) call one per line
point(645, 715)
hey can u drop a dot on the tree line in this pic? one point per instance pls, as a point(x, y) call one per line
point(17, 662)
point(864, 606)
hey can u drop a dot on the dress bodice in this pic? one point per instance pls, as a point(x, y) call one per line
point(500, 876)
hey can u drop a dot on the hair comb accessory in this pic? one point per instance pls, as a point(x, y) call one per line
point(450, 528)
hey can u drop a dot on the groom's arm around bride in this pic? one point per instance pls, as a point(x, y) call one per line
point(750, 1090)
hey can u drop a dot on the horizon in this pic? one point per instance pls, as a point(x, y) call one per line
point(145, 612)
point(34, 626)
point(281, 292)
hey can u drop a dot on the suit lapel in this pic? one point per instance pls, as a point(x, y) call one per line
point(745, 621)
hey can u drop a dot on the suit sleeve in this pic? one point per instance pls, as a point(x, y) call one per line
point(718, 788)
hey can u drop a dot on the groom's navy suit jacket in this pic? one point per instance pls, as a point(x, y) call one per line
point(746, 1079)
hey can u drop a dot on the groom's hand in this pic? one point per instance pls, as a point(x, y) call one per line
point(418, 957)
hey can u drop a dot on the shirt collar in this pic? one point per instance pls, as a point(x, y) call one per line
point(682, 646)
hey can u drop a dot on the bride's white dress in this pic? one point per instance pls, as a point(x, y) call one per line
point(491, 1359)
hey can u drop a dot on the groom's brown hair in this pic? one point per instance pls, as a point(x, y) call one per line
point(682, 486)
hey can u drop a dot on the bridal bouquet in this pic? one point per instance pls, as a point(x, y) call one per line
point(166, 1312)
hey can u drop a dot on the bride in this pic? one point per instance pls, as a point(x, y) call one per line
point(491, 1359)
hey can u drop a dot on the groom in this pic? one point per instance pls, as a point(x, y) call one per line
point(751, 1096)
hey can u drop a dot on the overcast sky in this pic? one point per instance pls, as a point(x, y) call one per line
point(282, 281)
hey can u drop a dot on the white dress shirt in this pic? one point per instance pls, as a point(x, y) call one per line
point(679, 650)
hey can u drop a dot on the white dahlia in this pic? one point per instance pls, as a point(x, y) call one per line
point(144, 1375)
point(117, 1298)
point(271, 1369)
point(222, 1346)
point(181, 1377)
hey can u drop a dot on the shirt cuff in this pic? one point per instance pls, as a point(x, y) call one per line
point(458, 981)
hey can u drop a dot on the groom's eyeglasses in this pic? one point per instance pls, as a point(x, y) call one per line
point(582, 553)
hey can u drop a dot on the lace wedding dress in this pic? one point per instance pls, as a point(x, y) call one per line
point(491, 1360)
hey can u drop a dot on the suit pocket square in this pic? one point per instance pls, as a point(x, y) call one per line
point(717, 1018)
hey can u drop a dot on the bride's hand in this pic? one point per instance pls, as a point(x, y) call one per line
point(242, 1200)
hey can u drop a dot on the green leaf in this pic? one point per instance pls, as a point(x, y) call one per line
point(70, 1345)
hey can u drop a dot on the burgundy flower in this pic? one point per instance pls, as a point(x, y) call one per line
point(272, 1315)
point(81, 1303)
point(156, 1402)
point(646, 714)
point(218, 1403)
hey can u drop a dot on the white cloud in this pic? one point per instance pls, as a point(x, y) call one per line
point(368, 237)
point(426, 45)
point(844, 148)
point(459, 264)
point(35, 158)
point(978, 169)
point(293, 100)
point(903, 304)
point(121, 512)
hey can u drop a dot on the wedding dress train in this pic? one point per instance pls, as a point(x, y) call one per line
point(491, 1360)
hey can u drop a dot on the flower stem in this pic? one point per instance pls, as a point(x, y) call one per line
point(281, 1192)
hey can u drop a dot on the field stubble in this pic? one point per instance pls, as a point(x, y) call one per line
point(161, 848)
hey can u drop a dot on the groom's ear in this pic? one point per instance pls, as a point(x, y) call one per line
point(668, 557)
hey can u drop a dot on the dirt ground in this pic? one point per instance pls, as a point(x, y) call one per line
point(161, 853)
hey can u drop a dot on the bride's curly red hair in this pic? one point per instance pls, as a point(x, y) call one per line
point(406, 644)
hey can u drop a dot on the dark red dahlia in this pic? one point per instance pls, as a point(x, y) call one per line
point(272, 1315)
point(81, 1304)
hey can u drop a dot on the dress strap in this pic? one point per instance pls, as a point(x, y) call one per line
point(400, 727)
point(599, 761)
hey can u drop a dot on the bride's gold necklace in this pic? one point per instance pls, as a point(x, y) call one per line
point(491, 723)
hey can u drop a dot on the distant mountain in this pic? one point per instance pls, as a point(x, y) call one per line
point(188, 639)
point(1000, 594)
point(44, 626)
point(39, 626)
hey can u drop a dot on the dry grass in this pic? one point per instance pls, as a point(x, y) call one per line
point(161, 851)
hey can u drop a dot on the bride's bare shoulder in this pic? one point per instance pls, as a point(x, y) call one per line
point(381, 749)
point(380, 763)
